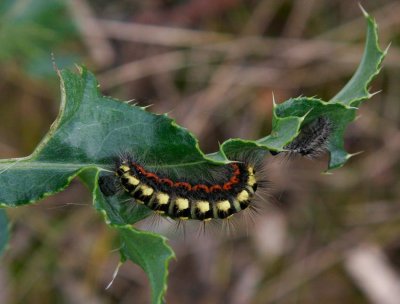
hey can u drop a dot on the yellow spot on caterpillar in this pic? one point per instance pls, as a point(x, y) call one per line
point(250, 170)
point(132, 180)
point(146, 190)
point(182, 203)
point(243, 196)
point(228, 217)
point(184, 218)
point(159, 211)
point(203, 206)
point(223, 206)
point(139, 202)
point(251, 181)
point(250, 189)
point(124, 168)
point(207, 219)
point(162, 198)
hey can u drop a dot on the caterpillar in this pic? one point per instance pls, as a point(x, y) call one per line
point(229, 189)
point(312, 140)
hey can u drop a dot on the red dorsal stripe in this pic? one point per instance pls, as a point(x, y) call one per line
point(201, 187)
point(215, 188)
point(184, 185)
point(226, 186)
point(152, 176)
point(167, 181)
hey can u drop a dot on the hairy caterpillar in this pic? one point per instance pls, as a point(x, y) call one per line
point(231, 189)
point(312, 139)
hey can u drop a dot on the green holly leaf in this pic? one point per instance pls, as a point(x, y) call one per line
point(341, 110)
point(356, 90)
point(91, 130)
point(150, 252)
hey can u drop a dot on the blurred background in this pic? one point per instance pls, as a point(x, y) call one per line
point(213, 64)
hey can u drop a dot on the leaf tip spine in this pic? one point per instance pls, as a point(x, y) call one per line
point(370, 95)
point(274, 105)
point(385, 51)
point(350, 155)
point(365, 13)
point(115, 273)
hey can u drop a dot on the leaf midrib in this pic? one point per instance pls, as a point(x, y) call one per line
point(23, 164)
point(40, 165)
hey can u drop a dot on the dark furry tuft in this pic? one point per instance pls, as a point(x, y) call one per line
point(313, 138)
point(109, 184)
